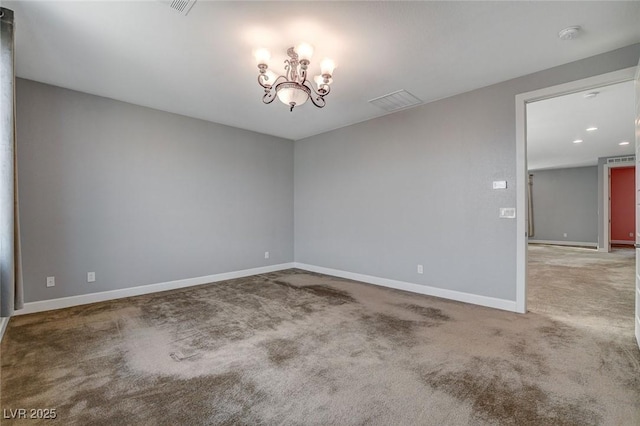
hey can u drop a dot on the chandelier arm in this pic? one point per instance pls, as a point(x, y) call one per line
point(269, 96)
point(309, 86)
point(327, 90)
point(275, 82)
point(316, 98)
point(262, 78)
point(266, 85)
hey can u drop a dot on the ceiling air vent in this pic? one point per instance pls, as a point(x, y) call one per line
point(396, 101)
point(618, 160)
point(181, 6)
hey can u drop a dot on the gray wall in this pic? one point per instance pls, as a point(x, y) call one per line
point(414, 187)
point(141, 196)
point(566, 201)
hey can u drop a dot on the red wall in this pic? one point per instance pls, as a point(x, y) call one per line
point(623, 183)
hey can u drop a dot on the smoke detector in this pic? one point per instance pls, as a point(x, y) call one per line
point(569, 33)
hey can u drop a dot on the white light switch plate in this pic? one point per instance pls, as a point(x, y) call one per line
point(507, 212)
point(499, 184)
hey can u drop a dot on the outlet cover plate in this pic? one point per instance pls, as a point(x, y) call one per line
point(507, 212)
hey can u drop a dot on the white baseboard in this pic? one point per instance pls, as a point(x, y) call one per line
point(83, 299)
point(625, 242)
point(491, 302)
point(66, 302)
point(564, 243)
point(3, 326)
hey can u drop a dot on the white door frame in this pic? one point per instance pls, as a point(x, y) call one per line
point(521, 162)
point(606, 209)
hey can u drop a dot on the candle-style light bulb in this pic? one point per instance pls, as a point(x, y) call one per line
point(262, 56)
point(304, 51)
point(327, 66)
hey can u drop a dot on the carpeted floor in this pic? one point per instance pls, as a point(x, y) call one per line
point(299, 348)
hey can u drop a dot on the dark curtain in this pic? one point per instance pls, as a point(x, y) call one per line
point(11, 296)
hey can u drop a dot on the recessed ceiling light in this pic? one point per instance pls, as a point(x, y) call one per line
point(590, 95)
point(591, 129)
point(569, 33)
point(624, 143)
point(578, 141)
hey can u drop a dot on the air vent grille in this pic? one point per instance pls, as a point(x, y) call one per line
point(396, 101)
point(618, 160)
point(181, 6)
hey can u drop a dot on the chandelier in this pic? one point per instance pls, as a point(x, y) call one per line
point(293, 88)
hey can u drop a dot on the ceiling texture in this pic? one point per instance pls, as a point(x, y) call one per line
point(201, 65)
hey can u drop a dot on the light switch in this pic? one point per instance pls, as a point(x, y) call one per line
point(499, 184)
point(507, 212)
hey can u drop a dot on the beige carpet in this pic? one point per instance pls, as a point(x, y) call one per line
point(299, 348)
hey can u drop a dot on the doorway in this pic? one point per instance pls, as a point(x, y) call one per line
point(575, 143)
point(522, 101)
point(621, 206)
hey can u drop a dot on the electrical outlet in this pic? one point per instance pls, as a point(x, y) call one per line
point(51, 281)
point(91, 277)
point(266, 254)
point(420, 269)
point(564, 235)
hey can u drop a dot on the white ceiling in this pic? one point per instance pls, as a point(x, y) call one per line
point(553, 124)
point(202, 66)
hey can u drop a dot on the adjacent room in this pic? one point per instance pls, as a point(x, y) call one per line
point(580, 156)
point(316, 213)
point(581, 167)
